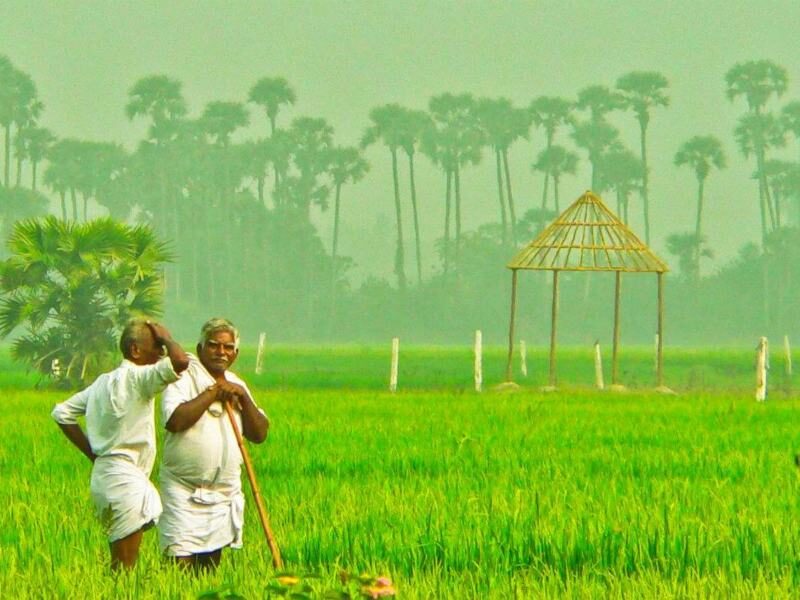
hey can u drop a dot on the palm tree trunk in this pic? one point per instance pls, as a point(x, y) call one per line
point(698, 225)
point(19, 170)
point(502, 200)
point(74, 201)
point(447, 199)
point(63, 195)
point(7, 164)
point(85, 207)
point(34, 164)
point(555, 190)
point(645, 193)
point(399, 257)
point(334, 249)
point(511, 212)
point(416, 216)
point(260, 184)
point(457, 180)
point(763, 193)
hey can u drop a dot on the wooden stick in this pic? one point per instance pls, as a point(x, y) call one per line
point(251, 475)
point(615, 342)
point(478, 360)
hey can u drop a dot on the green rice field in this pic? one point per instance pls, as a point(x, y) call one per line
point(576, 493)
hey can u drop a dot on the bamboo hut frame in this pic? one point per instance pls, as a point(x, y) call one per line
point(587, 236)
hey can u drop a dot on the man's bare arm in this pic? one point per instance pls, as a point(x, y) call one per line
point(75, 435)
point(179, 358)
point(187, 413)
point(255, 426)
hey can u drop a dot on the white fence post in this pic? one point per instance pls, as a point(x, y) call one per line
point(762, 361)
point(598, 367)
point(262, 337)
point(478, 360)
point(395, 359)
point(523, 358)
point(787, 350)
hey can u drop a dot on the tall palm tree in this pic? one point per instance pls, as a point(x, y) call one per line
point(19, 106)
point(790, 119)
point(311, 141)
point(757, 81)
point(460, 141)
point(160, 98)
point(32, 144)
point(387, 126)
point(599, 101)
point(413, 127)
point(701, 154)
point(550, 113)
point(502, 125)
point(755, 134)
point(688, 248)
point(271, 93)
point(779, 175)
point(554, 162)
point(622, 172)
point(63, 173)
point(642, 91)
point(596, 137)
point(346, 165)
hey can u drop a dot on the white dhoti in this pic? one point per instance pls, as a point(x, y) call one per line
point(124, 498)
point(197, 520)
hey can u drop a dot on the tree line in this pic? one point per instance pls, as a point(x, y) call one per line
point(240, 214)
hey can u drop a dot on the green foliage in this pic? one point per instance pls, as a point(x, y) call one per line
point(71, 287)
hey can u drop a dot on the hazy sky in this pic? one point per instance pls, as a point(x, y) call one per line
point(343, 58)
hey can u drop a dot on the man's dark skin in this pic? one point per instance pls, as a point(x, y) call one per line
point(217, 354)
point(148, 350)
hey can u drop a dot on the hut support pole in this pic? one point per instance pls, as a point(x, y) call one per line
point(511, 323)
point(615, 349)
point(660, 349)
point(553, 330)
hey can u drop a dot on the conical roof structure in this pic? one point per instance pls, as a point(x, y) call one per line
point(587, 236)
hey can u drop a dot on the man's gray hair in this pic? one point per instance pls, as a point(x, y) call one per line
point(216, 324)
point(134, 332)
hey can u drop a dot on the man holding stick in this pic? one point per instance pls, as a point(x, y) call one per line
point(120, 434)
point(201, 463)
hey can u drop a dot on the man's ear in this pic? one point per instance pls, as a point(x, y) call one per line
point(135, 352)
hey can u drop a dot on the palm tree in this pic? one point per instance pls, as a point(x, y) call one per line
point(271, 93)
point(311, 140)
point(757, 81)
point(596, 137)
point(387, 126)
point(18, 106)
point(598, 100)
point(346, 165)
point(779, 175)
point(550, 113)
point(413, 127)
point(554, 162)
point(790, 119)
point(755, 134)
point(688, 248)
point(643, 91)
point(159, 98)
point(502, 125)
point(623, 173)
point(701, 154)
point(33, 144)
point(459, 141)
point(73, 286)
point(63, 173)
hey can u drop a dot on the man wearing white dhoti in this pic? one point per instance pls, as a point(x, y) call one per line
point(120, 434)
point(201, 463)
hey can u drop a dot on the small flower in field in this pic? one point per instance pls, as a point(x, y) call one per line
point(383, 582)
point(288, 580)
point(375, 591)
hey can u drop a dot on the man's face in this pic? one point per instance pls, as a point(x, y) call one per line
point(218, 353)
point(147, 351)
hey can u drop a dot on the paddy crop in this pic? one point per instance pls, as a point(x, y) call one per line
point(453, 494)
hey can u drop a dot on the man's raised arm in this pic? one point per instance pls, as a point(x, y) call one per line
point(179, 358)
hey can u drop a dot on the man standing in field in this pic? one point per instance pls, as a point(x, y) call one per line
point(201, 464)
point(120, 434)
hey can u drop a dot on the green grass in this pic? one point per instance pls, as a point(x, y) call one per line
point(453, 493)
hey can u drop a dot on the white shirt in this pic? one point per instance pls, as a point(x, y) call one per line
point(119, 410)
point(206, 454)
